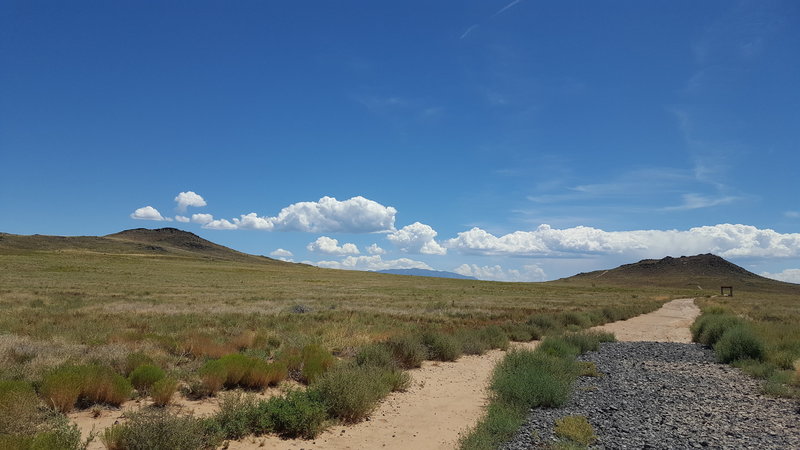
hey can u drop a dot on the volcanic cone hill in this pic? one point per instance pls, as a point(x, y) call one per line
point(161, 241)
point(706, 272)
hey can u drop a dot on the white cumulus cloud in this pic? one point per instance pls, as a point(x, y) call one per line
point(324, 244)
point(374, 249)
point(788, 275)
point(189, 198)
point(182, 219)
point(282, 254)
point(202, 218)
point(219, 224)
point(417, 238)
point(530, 272)
point(147, 213)
point(374, 262)
point(725, 240)
point(328, 215)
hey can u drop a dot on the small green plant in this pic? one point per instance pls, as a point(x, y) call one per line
point(162, 391)
point(316, 361)
point(157, 428)
point(738, 343)
point(352, 392)
point(558, 347)
point(143, 377)
point(296, 414)
point(236, 415)
point(532, 378)
point(407, 350)
point(375, 355)
point(134, 360)
point(441, 347)
point(576, 429)
point(710, 327)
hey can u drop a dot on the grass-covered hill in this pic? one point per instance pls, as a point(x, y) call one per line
point(700, 272)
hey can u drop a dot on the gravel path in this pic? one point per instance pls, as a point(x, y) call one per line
point(669, 396)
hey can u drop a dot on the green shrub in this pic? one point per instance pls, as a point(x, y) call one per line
point(559, 347)
point(576, 429)
point(352, 392)
point(213, 375)
point(472, 343)
point(407, 350)
point(296, 414)
point(144, 376)
point(520, 332)
point(134, 360)
point(66, 386)
point(737, 343)
point(440, 346)
point(547, 323)
point(316, 361)
point(236, 415)
point(533, 378)
point(158, 429)
point(237, 370)
point(162, 391)
point(375, 355)
point(19, 412)
point(498, 426)
point(709, 328)
point(588, 340)
point(578, 319)
point(495, 337)
point(396, 379)
point(55, 433)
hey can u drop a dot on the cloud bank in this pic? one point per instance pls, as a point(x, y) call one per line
point(788, 275)
point(725, 240)
point(328, 215)
point(374, 262)
point(530, 272)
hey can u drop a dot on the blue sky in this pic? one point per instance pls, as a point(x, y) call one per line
point(510, 140)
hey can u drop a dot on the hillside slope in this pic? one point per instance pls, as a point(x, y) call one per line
point(704, 272)
point(162, 241)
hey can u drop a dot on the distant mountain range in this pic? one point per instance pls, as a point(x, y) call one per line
point(426, 273)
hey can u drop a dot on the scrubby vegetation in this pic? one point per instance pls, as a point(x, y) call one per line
point(526, 379)
point(84, 325)
point(758, 334)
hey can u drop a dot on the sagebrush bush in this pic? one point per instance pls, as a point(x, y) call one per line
point(440, 346)
point(472, 343)
point(66, 386)
point(19, 413)
point(375, 355)
point(738, 343)
point(495, 337)
point(53, 431)
point(352, 392)
point(237, 415)
point(533, 378)
point(407, 350)
point(162, 391)
point(144, 376)
point(159, 429)
point(296, 414)
point(578, 319)
point(545, 322)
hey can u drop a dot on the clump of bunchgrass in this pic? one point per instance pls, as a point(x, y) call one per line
point(66, 386)
point(143, 377)
point(710, 327)
point(162, 391)
point(19, 410)
point(533, 379)
point(296, 414)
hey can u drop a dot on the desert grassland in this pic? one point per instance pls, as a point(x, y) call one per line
point(764, 336)
point(101, 323)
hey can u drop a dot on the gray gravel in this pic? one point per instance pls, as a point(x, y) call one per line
point(669, 396)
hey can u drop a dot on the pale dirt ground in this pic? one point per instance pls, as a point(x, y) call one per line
point(446, 399)
point(668, 324)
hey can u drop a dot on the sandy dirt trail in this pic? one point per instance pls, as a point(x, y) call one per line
point(446, 399)
point(668, 324)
